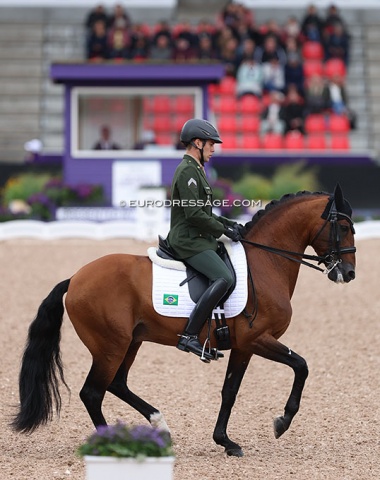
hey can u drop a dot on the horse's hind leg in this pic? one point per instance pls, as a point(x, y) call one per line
point(270, 348)
point(120, 388)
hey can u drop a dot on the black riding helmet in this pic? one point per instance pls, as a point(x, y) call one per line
point(199, 128)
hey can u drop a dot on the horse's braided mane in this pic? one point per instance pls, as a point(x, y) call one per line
point(275, 203)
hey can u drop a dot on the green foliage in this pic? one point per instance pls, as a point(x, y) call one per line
point(288, 178)
point(23, 186)
point(128, 442)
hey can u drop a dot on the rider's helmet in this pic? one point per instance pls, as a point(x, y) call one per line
point(199, 128)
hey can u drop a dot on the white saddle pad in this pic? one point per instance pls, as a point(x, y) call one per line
point(172, 300)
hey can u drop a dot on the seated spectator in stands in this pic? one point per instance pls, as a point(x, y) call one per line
point(246, 49)
point(312, 25)
point(249, 78)
point(293, 112)
point(337, 44)
point(97, 43)
point(119, 18)
point(147, 138)
point(162, 29)
point(332, 17)
point(186, 32)
point(119, 42)
point(205, 49)
point(221, 38)
point(273, 75)
point(292, 29)
point(205, 27)
point(98, 13)
point(139, 49)
point(269, 50)
point(271, 117)
point(317, 96)
point(229, 57)
point(105, 142)
point(339, 99)
point(294, 73)
point(161, 49)
point(183, 51)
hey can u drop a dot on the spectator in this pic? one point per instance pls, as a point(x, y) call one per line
point(97, 44)
point(98, 13)
point(270, 50)
point(339, 100)
point(317, 97)
point(162, 29)
point(246, 49)
point(293, 112)
point(332, 18)
point(271, 117)
point(105, 142)
point(337, 44)
point(205, 28)
point(186, 32)
point(273, 76)
point(119, 43)
point(249, 78)
point(206, 50)
point(140, 49)
point(183, 51)
point(294, 73)
point(147, 138)
point(119, 19)
point(230, 57)
point(292, 29)
point(272, 29)
point(161, 49)
point(312, 25)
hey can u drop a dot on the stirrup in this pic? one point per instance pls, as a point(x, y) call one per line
point(212, 351)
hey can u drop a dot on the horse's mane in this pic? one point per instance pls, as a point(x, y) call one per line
point(275, 203)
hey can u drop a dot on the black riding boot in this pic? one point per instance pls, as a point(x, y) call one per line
point(188, 341)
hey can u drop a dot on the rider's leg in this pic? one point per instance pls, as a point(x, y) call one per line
point(212, 266)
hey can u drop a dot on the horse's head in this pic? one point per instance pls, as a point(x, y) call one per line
point(334, 240)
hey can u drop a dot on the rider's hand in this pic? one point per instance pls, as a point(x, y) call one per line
point(233, 232)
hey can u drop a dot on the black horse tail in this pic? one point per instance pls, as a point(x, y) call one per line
point(41, 367)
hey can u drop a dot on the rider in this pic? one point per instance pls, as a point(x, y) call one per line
point(194, 228)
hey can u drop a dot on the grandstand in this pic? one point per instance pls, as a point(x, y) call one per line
point(32, 106)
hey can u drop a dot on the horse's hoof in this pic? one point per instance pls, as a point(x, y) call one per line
point(279, 426)
point(234, 452)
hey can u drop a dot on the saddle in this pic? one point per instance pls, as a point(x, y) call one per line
point(198, 283)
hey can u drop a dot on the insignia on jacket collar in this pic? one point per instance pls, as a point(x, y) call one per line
point(192, 182)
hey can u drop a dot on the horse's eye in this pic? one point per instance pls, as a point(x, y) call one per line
point(344, 228)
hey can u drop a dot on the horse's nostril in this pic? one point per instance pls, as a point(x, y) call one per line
point(351, 274)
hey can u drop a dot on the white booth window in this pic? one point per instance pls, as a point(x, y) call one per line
point(134, 121)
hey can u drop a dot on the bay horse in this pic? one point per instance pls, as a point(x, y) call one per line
point(109, 304)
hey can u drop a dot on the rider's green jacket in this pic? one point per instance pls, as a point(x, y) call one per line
point(193, 226)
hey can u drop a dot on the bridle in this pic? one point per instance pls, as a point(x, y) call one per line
point(334, 254)
point(330, 259)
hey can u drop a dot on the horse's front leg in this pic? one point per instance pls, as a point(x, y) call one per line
point(270, 348)
point(237, 366)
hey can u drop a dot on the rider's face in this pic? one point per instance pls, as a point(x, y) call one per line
point(208, 149)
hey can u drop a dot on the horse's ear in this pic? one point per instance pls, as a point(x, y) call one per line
point(339, 198)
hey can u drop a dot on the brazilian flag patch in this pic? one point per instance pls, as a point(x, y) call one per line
point(170, 299)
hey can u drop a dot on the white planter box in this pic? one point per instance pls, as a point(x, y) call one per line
point(110, 468)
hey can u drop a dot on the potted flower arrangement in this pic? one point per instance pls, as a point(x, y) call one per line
point(117, 451)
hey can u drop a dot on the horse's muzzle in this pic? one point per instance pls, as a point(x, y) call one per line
point(344, 272)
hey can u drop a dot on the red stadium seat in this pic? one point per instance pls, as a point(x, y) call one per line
point(339, 124)
point(229, 141)
point(227, 86)
point(312, 51)
point(249, 123)
point(340, 142)
point(312, 67)
point(316, 141)
point(315, 123)
point(184, 104)
point(251, 142)
point(249, 104)
point(177, 122)
point(161, 104)
point(163, 138)
point(227, 124)
point(227, 105)
point(162, 123)
point(294, 140)
point(272, 141)
point(333, 67)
